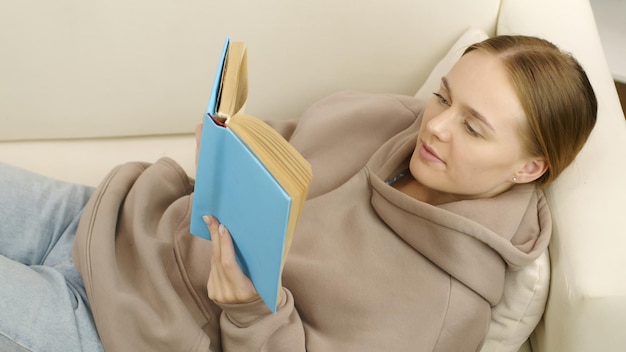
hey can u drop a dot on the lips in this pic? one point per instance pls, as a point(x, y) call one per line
point(429, 154)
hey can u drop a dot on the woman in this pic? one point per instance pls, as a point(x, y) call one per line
point(414, 214)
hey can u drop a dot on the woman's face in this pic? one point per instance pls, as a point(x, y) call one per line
point(469, 144)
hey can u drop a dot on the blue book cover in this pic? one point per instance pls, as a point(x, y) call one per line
point(235, 187)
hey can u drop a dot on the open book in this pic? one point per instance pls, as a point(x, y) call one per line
point(249, 177)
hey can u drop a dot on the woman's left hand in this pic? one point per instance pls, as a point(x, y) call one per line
point(227, 282)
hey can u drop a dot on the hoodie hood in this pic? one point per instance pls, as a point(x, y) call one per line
point(472, 240)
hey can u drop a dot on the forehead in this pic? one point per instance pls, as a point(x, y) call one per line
point(481, 82)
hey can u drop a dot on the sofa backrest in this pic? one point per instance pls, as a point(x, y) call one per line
point(84, 69)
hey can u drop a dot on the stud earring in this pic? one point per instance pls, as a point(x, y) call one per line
point(514, 179)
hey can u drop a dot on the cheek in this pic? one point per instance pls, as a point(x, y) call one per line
point(470, 160)
point(465, 165)
point(487, 165)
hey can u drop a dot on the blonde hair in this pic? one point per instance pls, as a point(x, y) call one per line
point(555, 93)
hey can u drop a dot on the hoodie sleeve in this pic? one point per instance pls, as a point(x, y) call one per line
point(252, 327)
point(284, 127)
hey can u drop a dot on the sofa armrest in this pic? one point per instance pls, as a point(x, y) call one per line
point(586, 308)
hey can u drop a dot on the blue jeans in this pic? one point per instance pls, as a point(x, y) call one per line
point(43, 304)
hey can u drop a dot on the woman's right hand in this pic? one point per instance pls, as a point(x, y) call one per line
point(227, 283)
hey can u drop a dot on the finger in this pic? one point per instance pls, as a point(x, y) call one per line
point(214, 284)
point(213, 226)
point(227, 249)
point(239, 288)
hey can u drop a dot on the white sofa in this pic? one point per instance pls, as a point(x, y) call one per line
point(86, 85)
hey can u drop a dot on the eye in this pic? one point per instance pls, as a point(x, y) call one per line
point(442, 99)
point(470, 129)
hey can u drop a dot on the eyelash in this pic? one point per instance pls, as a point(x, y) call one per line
point(442, 99)
point(468, 127)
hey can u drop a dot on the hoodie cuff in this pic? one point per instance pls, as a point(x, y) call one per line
point(245, 314)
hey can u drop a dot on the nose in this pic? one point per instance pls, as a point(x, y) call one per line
point(440, 125)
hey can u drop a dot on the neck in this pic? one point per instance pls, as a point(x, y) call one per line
point(411, 187)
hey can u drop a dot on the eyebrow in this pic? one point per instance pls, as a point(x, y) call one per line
point(471, 110)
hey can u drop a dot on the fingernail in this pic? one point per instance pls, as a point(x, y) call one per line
point(222, 230)
point(208, 220)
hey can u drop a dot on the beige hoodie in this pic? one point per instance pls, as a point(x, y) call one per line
point(370, 269)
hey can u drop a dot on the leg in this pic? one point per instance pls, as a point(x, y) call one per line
point(35, 212)
point(44, 306)
point(43, 311)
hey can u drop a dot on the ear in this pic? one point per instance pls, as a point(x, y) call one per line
point(532, 170)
